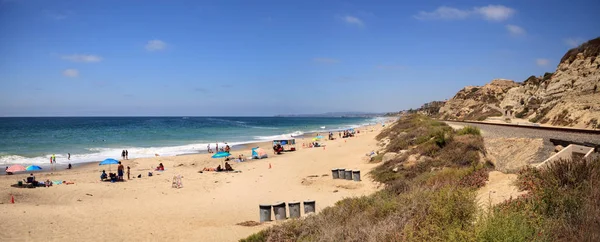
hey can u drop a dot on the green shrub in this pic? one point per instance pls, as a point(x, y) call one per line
point(507, 226)
point(522, 114)
point(469, 130)
point(447, 215)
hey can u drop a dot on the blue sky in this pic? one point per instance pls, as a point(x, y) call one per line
point(91, 58)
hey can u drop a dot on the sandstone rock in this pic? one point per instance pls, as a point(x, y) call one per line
point(423, 158)
point(389, 156)
point(568, 97)
point(413, 158)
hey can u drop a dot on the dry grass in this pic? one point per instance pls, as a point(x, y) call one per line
point(418, 203)
point(434, 200)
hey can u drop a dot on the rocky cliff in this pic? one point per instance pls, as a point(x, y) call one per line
point(568, 97)
point(477, 102)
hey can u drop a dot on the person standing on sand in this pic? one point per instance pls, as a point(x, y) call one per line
point(123, 155)
point(126, 155)
point(217, 148)
point(68, 156)
point(128, 172)
point(120, 171)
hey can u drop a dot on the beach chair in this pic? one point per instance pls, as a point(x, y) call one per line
point(177, 182)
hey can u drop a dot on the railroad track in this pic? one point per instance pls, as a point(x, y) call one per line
point(547, 128)
point(554, 135)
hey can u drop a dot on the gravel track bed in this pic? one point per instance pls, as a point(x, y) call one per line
point(495, 131)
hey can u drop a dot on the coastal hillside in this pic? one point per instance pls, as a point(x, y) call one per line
point(567, 97)
point(477, 102)
point(439, 185)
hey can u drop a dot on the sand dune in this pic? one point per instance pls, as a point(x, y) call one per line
point(207, 208)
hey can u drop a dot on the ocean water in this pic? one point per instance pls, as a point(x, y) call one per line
point(34, 140)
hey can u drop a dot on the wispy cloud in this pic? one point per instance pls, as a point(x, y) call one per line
point(391, 67)
point(82, 58)
point(495, 12)
point(573, 42)
point(71, 73)
point(353, 20)
point(542, 62)
point(326, 60)
point(154, 45)
point(515, 30)
point(490, 12)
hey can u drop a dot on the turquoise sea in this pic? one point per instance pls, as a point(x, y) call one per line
point(34, 140)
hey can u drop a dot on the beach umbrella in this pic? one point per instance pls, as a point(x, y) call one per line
point(109, 162)
point(33, 168)
point(15, 168)
point(221, 155)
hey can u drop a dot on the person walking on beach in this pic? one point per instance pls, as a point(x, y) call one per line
point(208, 149)
point(68, 156)
point(120, 171)
point(123, 155)
point(217, 147)
point(126, 155)
point(128, 172)
point(53, 161)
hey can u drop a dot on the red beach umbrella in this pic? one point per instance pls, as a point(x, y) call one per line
point(15, 168)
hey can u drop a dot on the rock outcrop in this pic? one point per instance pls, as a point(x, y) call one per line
point(568, 97)
point(477, 102)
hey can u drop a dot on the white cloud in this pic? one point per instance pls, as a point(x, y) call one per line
point(515, 30)
point(542, 62)
point(154, 45)
point(326, 60)
point(495, 12)
point(353, 20)
point(490, 12)
point(573, 42)
point(71, 73)
point(82, 58)
point(443, 13)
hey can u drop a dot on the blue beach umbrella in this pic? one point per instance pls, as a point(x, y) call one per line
point(109, 162)
point(33, 168)
point(221, 155)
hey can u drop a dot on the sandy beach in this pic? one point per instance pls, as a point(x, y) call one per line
point(207, 208)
